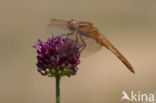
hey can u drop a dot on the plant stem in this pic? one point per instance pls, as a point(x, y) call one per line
point(57, 89)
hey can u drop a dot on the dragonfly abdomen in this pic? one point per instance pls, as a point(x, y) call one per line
point(106, 43)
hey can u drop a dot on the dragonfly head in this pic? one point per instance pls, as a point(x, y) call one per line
point(83, 27)
point(72, 25)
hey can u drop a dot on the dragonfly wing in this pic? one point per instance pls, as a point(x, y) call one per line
point(58, 27)
point(106, 43)
point(91, 46)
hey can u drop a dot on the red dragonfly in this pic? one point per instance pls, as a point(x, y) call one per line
point(86, 34)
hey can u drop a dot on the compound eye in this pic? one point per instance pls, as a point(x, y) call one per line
point(74, 22)
point(71, 26)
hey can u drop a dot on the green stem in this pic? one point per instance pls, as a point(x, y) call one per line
point(57, 89)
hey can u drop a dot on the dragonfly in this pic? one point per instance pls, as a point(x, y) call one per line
point(87, 34)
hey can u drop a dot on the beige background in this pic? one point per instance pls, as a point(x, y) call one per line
point(129, 24)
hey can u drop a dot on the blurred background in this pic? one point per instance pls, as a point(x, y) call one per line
point(129, 24)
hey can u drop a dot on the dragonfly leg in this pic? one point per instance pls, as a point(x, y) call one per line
point(76, 32)
point(83, 44)
point(76, 37)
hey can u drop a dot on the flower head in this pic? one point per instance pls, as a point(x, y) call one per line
point(57, 56)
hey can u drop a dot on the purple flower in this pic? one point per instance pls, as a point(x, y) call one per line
point(57, 56)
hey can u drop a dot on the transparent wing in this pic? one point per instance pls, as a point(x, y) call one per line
point(58, 27)
point(91, 46)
